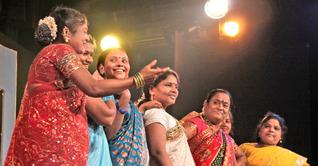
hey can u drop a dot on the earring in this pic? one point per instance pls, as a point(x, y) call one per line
point(65, 34)
point(280, 141)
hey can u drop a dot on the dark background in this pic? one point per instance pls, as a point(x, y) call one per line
point(270, 66)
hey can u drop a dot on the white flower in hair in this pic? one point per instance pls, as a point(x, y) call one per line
point(50, 22)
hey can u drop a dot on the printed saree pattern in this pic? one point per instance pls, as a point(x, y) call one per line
point(51, 128)
point(128, 147)
point(211, 146)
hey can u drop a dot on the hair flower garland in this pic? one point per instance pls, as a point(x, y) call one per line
point(50, 22)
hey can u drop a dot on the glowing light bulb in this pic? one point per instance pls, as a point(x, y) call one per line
point(216, 9)
point(109, 41)
point(231, 28)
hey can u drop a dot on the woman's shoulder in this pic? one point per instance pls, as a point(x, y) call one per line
point(196, 120)
point(153, 112)
point(56, 52)
point(58, 47)
point(248, 145)
point(159, 115)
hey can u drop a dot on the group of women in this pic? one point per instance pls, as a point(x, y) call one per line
point(70, 117)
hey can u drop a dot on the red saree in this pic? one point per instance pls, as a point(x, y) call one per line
point(211, 146)
point(51, 128)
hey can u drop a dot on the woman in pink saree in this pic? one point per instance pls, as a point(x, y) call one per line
point(208, 143)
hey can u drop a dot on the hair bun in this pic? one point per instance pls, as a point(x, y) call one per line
point(43, 35)
point(46, 31)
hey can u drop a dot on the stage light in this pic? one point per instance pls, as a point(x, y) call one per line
point(231, 28)
point(109, 41)
point(216, 9)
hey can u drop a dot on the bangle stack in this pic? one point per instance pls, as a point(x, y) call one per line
point(139, 80)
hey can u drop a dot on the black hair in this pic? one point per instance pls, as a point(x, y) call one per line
point(270, 115)
point(161, 77)
point(63, 17)
point(102, 56)
point(213, 92)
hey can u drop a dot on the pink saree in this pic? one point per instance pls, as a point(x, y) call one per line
point(211, 146)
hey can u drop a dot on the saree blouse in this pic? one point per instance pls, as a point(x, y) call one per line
point(177, 146)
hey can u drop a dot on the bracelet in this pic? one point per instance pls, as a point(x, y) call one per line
point(139, 80)
point(122, 111)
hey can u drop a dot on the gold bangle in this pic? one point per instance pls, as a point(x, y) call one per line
point(139, 80)
point(142, 79)
point(136, 83)
point(139, 85)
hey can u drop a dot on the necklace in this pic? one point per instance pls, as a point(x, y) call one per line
point(207, 120)
point(213, 129)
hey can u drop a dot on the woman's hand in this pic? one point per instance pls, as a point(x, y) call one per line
point(150, 72)
point(190, 116)
point(97, 76)
point(148, 105)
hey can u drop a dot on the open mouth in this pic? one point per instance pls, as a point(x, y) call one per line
point(119, 70)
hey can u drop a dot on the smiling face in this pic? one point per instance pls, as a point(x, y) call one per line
point(116, 65)
point(78, 39)
point(270, 132)
point(166, 92)
point(227, 123)
point(87, 57)
point(215, 109)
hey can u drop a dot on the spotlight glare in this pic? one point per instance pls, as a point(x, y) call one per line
point(109, 41)
point(216, 9)
point(231, 28)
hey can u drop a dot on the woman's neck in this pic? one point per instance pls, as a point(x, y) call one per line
point(262, 144)
point(209, 122)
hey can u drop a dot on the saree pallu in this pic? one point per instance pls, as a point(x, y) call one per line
point(129, 146)
point(211, 147)
point(271, 156)
point(98, 154)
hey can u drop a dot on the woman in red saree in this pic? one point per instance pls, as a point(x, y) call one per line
point(208, 143)
point(51, 128)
